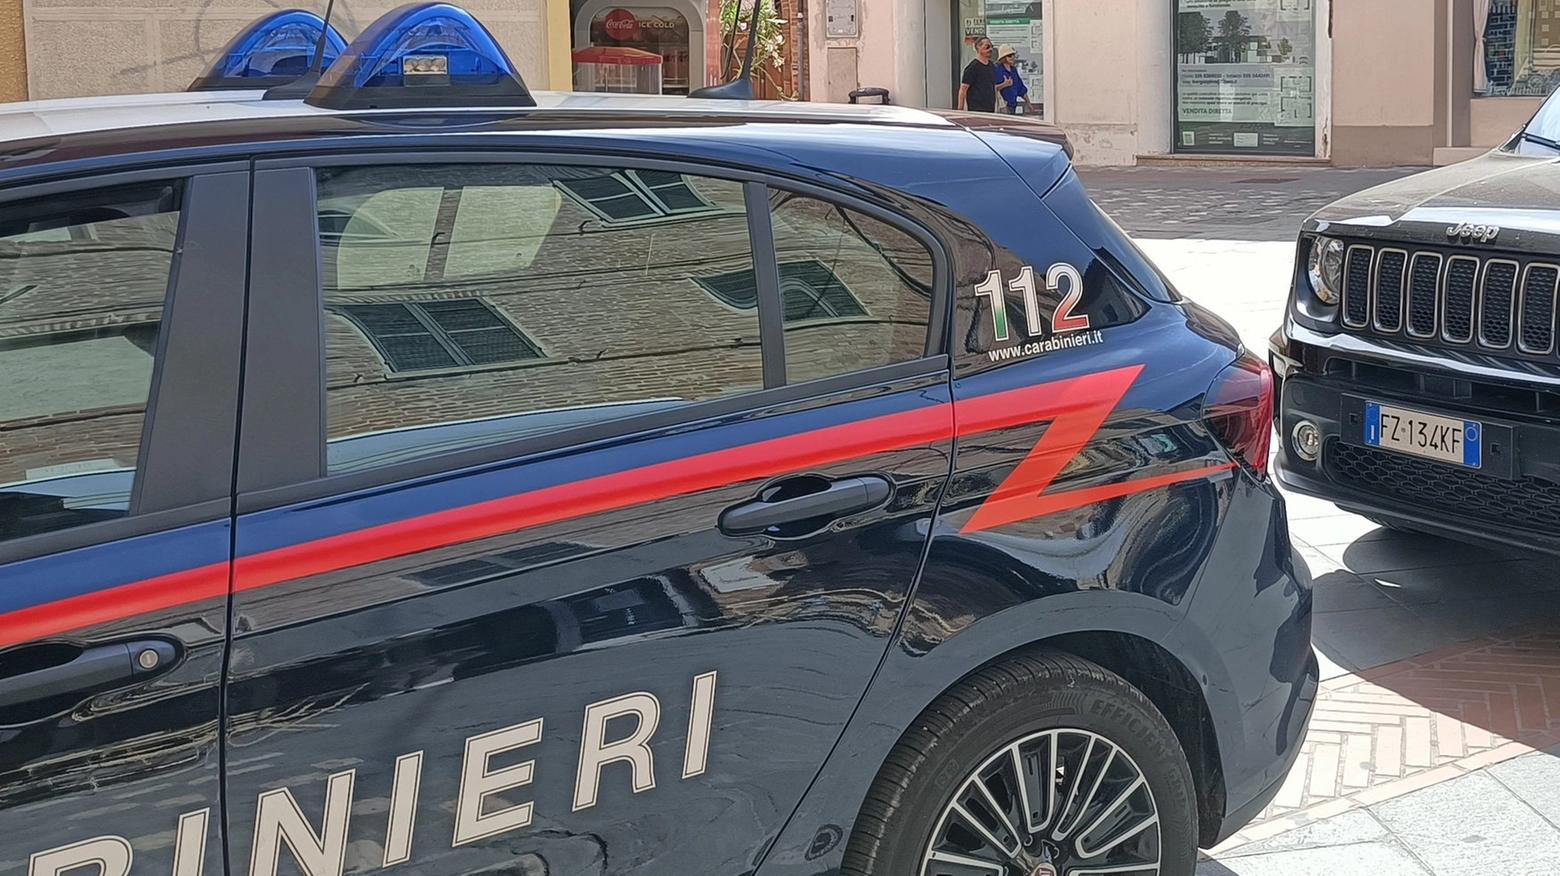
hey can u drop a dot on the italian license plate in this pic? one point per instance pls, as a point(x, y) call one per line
point(1460, 442)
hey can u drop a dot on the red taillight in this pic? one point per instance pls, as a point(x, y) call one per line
point(1240, 409)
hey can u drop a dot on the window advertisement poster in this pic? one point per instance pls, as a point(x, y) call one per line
point(1246, 76)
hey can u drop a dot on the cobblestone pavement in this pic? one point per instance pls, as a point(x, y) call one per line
point(1435, 748)
point(1260, 203)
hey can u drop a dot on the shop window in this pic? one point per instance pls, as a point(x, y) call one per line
point(653, 30)
point(1245, 77)
point(424, 335)
point(1521, 51)
point(1016, 23)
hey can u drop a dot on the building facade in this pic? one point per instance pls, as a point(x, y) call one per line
point(71, 48)
point(1386, 82)
point(1406, 82)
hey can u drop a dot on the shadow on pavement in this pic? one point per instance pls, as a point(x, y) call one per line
point(1463, 631)
point(1437, 656)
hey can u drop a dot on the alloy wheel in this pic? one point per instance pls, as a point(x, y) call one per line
point(1061, 802)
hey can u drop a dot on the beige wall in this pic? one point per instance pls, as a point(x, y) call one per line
point(1109, 78)
point(1384, 63)
point(1390, 94)
point(1393, 86)
point(85, 47)
point(889, 52)
point(13, 52)
point(1492, 120)
point(1387, 75)
point(1403, 95)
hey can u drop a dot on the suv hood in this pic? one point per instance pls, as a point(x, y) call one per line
point(1519, 193)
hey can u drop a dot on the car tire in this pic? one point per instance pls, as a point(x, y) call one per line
point(1014, 719)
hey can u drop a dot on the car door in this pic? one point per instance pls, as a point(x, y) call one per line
point(121, 306)
point(585, 498)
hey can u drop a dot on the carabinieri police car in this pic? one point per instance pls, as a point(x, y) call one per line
point(1418, 363)
point(427, 475)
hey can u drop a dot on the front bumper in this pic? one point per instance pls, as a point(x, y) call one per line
point(1513, 499)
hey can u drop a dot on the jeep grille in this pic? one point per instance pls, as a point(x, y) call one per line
point(1501, 305)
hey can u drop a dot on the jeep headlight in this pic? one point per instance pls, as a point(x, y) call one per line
point(1324, 267)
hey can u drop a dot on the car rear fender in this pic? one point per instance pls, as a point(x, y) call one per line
point(813, 841)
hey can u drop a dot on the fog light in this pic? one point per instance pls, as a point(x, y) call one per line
point(1307, 440)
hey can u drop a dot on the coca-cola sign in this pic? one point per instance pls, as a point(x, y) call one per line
point(622, 25)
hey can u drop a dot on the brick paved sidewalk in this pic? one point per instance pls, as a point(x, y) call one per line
point(1408, 725)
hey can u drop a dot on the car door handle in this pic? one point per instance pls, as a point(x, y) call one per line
point(805, 500)
point(104, 666)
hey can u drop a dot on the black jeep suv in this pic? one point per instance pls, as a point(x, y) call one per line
point(1417, 362)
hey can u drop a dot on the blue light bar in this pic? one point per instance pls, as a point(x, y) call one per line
point(273, 51)
point(422, 55)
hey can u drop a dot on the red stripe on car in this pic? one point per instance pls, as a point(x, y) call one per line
point(1076, 408)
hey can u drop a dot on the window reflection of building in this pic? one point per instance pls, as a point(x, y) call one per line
point(857, 292)
point(81, 299)
point(626, 196)
point(808, 290)
point(426, 335)
point(470, 304)
point(590, 293)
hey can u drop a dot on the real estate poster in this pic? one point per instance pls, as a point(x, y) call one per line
point(1245, 76)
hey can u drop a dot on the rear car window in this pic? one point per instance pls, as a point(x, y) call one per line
point(1109, 243)
point(857, 292)
point(83, 281)
point(468, 304)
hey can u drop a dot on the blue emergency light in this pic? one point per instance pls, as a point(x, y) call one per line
point(275, 50)
point(422, 55)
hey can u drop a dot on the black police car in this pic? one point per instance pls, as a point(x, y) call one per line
point(1417, 361)
point(591, 484)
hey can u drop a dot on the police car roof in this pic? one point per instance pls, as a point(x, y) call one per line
point(70, 137)
point(64, 117)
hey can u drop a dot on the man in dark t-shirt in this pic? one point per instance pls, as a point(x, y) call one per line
point(978, 93)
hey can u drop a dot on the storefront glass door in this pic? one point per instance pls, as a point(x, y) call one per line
point(1016, 23)
point(1245, 77)
point(658, 30)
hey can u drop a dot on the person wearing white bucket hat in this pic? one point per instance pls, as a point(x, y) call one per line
point(1010, 85)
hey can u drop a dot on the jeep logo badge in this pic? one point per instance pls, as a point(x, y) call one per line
point(1473, 233)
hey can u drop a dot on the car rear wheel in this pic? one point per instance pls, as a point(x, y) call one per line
point(1041, 765)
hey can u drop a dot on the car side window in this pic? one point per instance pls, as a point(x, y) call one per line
point(83, 282)
point(856, 291)
point(469, 304)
